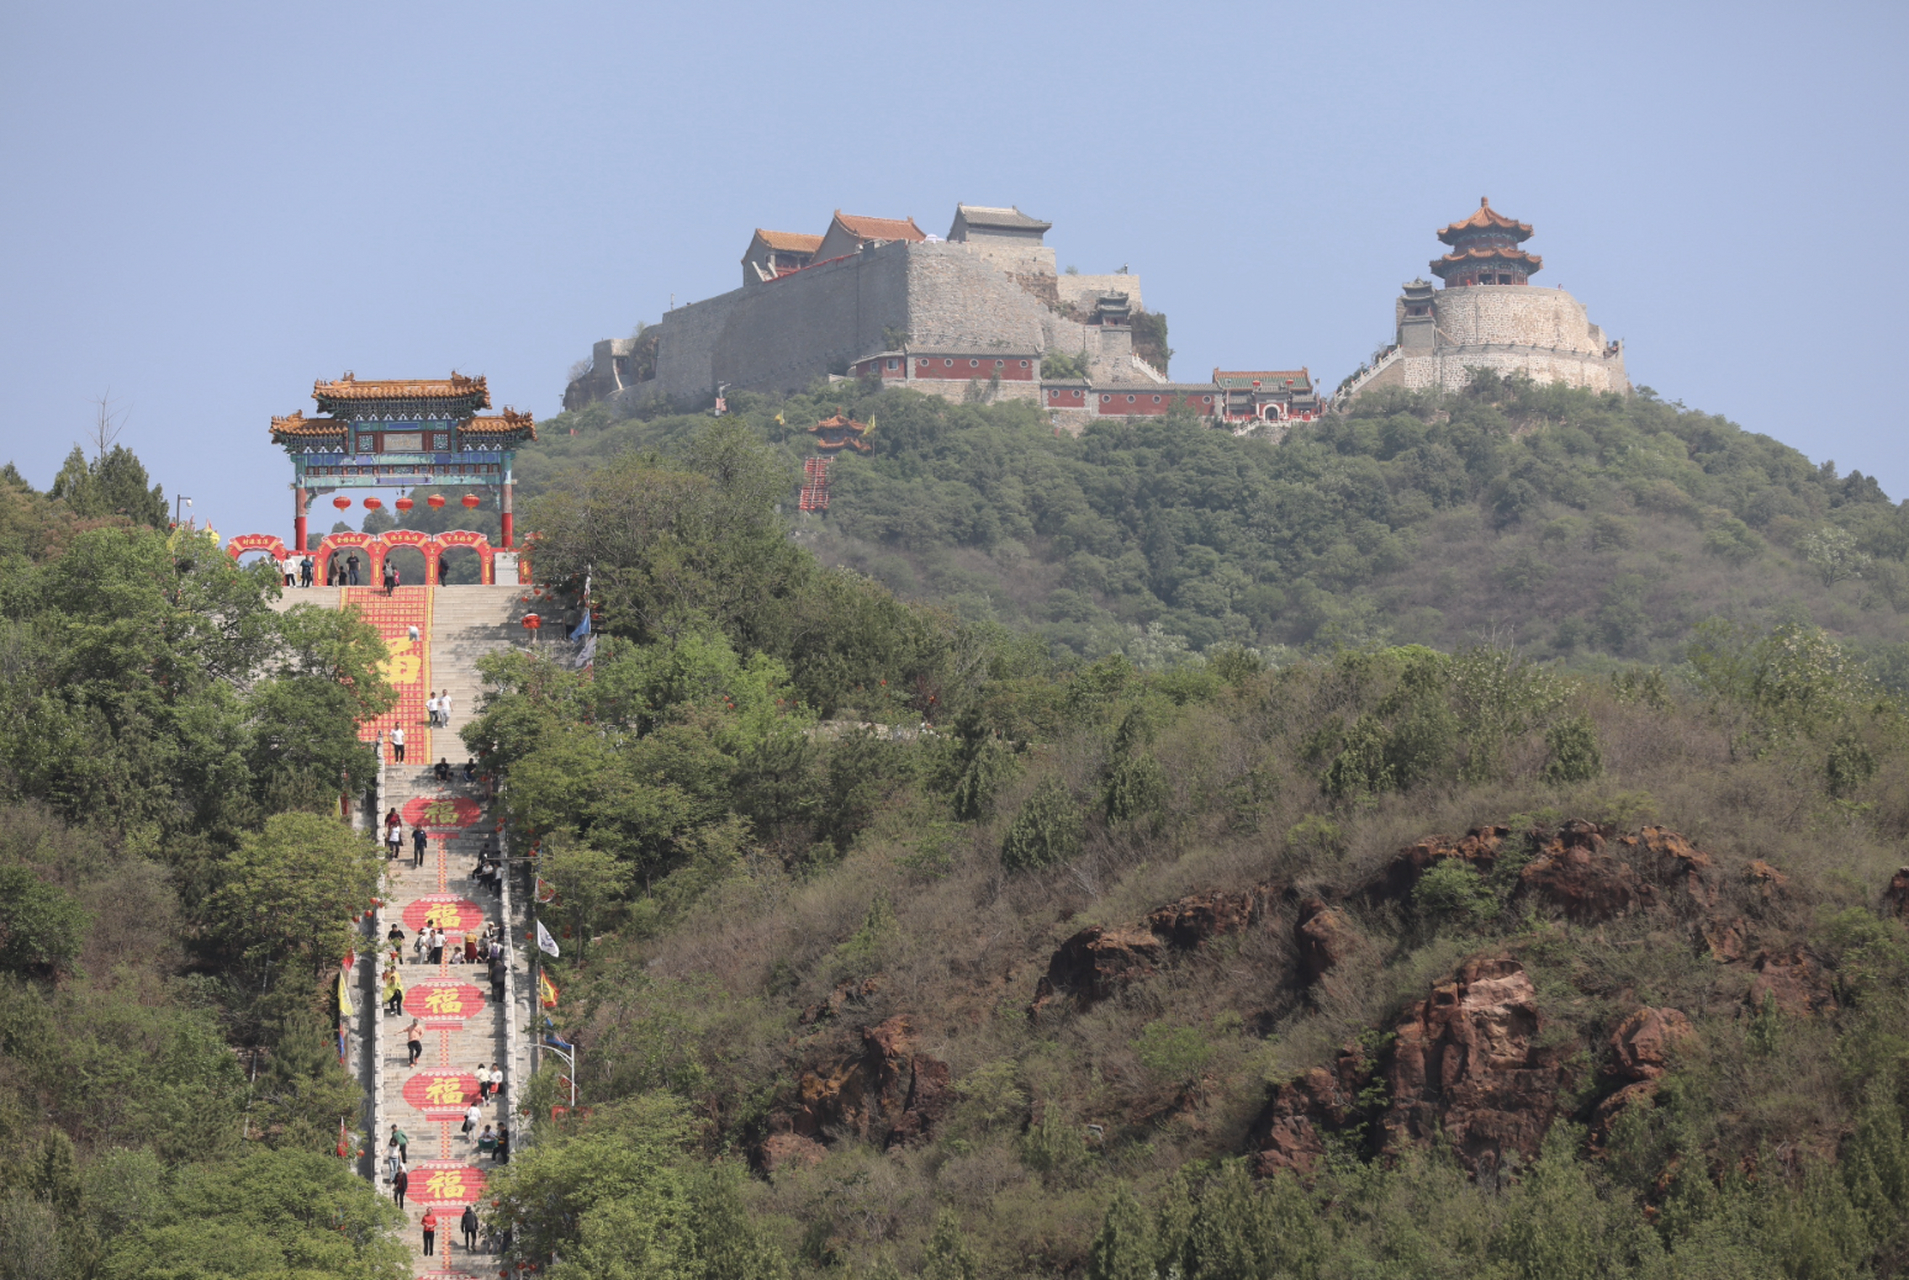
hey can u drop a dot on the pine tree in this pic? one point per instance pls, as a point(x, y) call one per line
point(1123, 1248)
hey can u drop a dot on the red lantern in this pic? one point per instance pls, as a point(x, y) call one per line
point(341, 502)
point(471, 500)
point(372, 504)
point(404, 504)
point(436, 500)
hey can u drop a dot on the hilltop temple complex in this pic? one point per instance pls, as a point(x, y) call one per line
point(983, 314)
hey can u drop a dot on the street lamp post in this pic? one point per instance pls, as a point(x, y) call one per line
point(177, 500)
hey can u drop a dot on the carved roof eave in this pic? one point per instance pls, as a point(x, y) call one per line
point(1529, 263)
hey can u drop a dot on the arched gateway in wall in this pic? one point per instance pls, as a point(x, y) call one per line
point(372, 550)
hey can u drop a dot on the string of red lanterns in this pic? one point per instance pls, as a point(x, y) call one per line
point(434, 501)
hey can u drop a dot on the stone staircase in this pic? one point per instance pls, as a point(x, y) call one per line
point(466, 623)
point(464, 1025)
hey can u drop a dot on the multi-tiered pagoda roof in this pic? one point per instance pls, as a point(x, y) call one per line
point(1485, 250)
point(452, 401)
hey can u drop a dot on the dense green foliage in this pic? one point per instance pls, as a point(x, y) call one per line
point(1585, 527)
point(175, 892)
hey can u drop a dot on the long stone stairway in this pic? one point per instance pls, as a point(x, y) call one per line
point(463, 1022)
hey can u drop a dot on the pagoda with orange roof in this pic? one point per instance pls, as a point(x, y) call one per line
point(1485, 250)
point(401, 433)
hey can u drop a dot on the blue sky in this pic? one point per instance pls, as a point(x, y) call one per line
point(210, 205)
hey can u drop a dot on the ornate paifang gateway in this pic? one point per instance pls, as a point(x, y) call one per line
point(399, 434)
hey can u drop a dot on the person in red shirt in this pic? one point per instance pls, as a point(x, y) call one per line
point(430, 1232)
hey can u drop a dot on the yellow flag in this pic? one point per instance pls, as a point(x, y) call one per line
point(344, 996)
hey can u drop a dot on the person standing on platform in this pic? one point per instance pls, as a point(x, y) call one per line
point(305, 571)
point(437, 944)
point(400, 1183)
point(351, 569)
point(397, 744)
point(417, 845)
point(430, 709)
point(469, 1224)
point(430, 1232)
point(414, 1041)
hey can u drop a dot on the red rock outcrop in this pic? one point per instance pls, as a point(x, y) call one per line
point(1644, 1043)
point(779, 1150)
point(1463, 1063)
point(886, 1094)
point(1480, 848)
point(1324, 937)
point(1800, 983)
point(1672, 860)
point(1101, 959)
point(1642, 1048)
point(1467, 1063)
point(1573, 874)
point(1291, 1128)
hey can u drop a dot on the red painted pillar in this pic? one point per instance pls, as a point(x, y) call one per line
point(507, 524)
point(298, 525)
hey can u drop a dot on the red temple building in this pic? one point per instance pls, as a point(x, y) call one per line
point(1485, 250)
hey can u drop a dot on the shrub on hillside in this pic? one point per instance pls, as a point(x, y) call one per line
point(1046, 831)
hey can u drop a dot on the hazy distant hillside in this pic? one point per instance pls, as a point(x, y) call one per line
point(1577, 526)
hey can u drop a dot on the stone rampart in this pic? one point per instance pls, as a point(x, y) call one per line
point(1451, 368)
point(1515, 315)
point(1080, 291)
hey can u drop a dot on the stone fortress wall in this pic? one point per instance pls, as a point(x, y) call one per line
point(986, 293)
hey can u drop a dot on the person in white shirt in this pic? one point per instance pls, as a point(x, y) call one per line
point(444, 708)
point(472, 1118)
point(397, 744)
point(430, 705)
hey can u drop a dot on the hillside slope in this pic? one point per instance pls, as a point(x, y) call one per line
point(1582, 527)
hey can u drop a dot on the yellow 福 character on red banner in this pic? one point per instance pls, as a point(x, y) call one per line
point(444, 1000)
point(445, 1091)
point(444, 1184)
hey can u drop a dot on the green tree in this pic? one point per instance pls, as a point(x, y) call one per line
point(590, 884)
point(288, 895)
point(948, 1256)
point(1573, 749)
point(41, 925)
point(1046, 830)
point(269, 1214)
point(113, 484)
point(1123, 1248)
